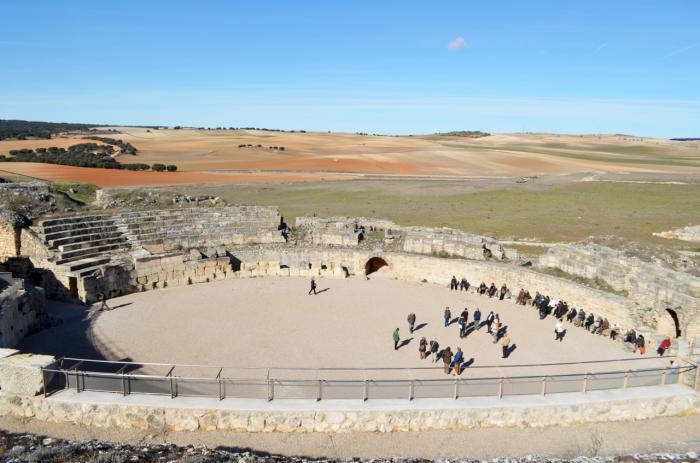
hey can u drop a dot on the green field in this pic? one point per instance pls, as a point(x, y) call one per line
point(569, 212)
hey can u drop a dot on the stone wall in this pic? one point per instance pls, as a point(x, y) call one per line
point(448, 242)
point(10, 228)
point(20, 309)
point(652, 288)
point(127, 414)
point(172, 270)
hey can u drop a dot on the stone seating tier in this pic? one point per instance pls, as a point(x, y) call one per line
point(73, 219)
point(94, 234)
point(64, 230)
point(96, 242)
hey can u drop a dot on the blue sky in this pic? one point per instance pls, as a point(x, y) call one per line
point(387, 67)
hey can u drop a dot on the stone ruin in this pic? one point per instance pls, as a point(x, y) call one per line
point(109, 253)
point(22, 309)
point(440, 242)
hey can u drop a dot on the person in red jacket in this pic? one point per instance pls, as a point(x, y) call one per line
point(663, 347)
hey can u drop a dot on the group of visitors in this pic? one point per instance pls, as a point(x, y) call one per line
point(492, 291)
point(461, 285)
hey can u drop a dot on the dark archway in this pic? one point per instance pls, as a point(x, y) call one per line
point(677, 325)
point(374, 264)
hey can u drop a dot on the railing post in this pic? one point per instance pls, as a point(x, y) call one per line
point(270, 387)
point(410, 390)
point(543, 392)
point(222, 392)
point(663, 376)
point(585, 384)
point(365, 391)
point(625, 381)
point(457, 381)
point(43, 381)
point(500, 388)
point(320, 390)
point(697, 378)
point(123, 384)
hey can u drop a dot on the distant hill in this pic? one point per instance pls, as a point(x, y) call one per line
point(685, 139)
point(465, 133)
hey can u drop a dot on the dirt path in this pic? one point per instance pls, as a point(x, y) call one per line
point(675, 434)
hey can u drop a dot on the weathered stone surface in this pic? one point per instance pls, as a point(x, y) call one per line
point(20, 374)
point(361, 420)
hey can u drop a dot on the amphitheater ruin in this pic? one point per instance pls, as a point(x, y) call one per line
point(115, 254)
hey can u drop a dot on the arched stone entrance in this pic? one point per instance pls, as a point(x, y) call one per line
point(669, 323)
point(374, 264)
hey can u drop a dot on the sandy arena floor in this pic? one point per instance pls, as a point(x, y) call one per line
point(272, 322)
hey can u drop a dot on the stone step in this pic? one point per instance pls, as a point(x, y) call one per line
point(76, 226)
point(87, 262)
point(72, 219)
point(91, 243)
point(77, 254)
point(91, 234)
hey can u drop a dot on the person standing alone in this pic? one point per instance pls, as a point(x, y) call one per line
point(313, 286)
point(411, 322)
point(396, 338)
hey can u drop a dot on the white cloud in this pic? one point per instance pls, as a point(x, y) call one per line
point(457, 44)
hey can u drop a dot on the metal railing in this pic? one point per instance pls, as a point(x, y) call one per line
point(360, 384)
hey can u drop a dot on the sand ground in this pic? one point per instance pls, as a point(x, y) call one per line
point(273, 323)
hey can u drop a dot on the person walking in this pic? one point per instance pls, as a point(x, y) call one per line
point(457, 361)
point(397, 338)
point(434, 346)
point(559, 331)
point(465, 315)
point(423, 348)
point(496, 328)
point(447, 359)
point(313, 286)
point(505, 345)
point(462, 326)
point(489, 322)
point(104, 306)
point(454, 285)
point(411, 322)
point(448, 316)
point(477, 319)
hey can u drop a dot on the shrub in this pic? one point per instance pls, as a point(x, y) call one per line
point(171, 168)
point(158, 167)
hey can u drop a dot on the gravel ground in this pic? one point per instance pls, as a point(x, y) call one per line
point(660, 439)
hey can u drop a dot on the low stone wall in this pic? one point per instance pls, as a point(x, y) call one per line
point(171, 270)
point(653, 288)
point(448, 242)
point(10, 228)
point(116, 413)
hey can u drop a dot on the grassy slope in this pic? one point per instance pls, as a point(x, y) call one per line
point(561, 213)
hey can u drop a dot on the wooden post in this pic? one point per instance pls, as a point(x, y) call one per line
point(320, 390)
point(365, 391)
point(585, 383)
point(543, 392)
point(410, 390)
point(457, 381)
point(500, 388)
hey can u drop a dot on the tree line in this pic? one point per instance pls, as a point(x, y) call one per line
point(80, 155)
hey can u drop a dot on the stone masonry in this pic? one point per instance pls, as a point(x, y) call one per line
point(652, 289)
